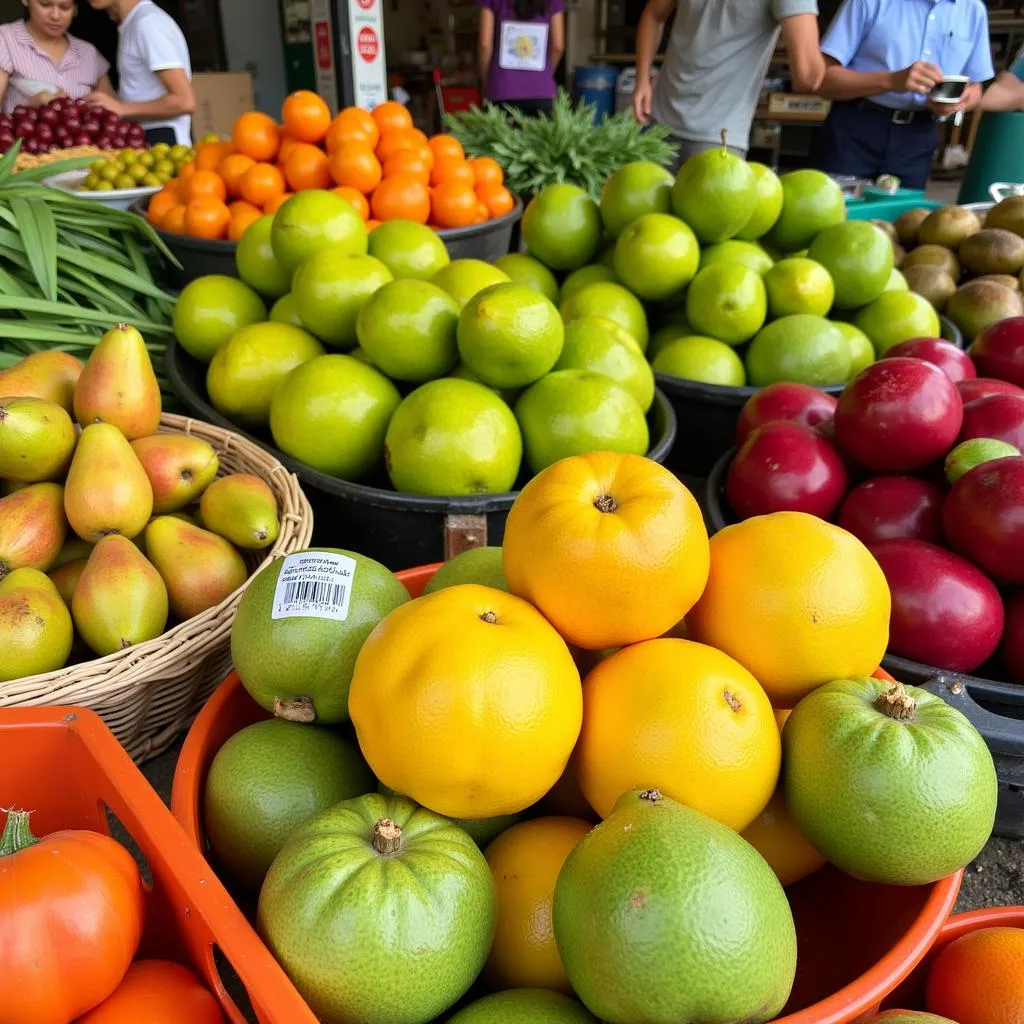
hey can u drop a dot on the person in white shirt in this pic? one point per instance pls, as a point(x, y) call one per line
point(154, 69)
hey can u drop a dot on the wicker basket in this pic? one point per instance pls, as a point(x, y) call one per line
point(150, 693)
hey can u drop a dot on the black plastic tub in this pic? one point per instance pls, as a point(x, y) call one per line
point(200, 256)
point(996, 709)
point(707, 414)
point(400, 530)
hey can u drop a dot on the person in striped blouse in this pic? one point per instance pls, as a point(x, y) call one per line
point(40, 60)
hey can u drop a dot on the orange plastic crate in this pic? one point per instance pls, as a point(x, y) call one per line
point(65, 766)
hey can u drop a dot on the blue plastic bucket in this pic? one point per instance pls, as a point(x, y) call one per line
point(596, 84)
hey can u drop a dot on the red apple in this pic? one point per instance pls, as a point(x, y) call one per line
point(1012, 651)
point(945, 611)
point(893, 508)
point(785, 401)
point(983, 517)
point(898, 415)
point(982, 387)
point(999, 350)
point(953, 361)
point(785, 467)
point(998, 416)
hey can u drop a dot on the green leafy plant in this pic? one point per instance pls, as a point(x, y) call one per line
point(564, 146)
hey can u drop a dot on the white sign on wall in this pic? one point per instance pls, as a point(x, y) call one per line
point(369, 68)
point(323, 52)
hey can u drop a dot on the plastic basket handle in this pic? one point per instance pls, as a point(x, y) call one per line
point(1004, 735)
point(1000, 190)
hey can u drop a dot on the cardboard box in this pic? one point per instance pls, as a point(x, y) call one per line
point(220, 97)
point(797, 103)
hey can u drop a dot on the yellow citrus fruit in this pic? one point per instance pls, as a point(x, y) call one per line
point(682, 718)
point(525, 861)
point(774, 834)
point(468, 701)
point(796, 600)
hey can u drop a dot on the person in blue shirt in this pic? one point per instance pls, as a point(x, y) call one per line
point(884, 57)
point(1007, 91)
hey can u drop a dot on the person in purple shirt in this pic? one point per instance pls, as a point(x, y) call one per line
point(520, 45)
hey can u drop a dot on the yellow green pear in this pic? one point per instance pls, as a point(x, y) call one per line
point(37, 438)
point(118, 385)
point(107, 490)
point(65, 578)
point(199, 568)
point(179, 467)
point(32, 528)
point(242, 509)
point(48, 374)
point(35, 625)
point(120, 599)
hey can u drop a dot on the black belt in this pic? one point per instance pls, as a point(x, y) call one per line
point(896, 116)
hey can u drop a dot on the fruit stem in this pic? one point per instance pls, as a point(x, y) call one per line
point(17, 834)
point(725, 135)
point(651, 796)
point(300, 710)
point(387, 837)
point(897, 703)
point(605, 503)
point(489, 617)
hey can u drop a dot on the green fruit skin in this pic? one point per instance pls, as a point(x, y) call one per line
point(728, 302)
point(975, 452)
point(859, 258)
point(768, 207)
point(573, 412)
point(590, 274)
point(663, 915)
point(702, 359)
point(735, 251)
point(286, 311)
point(478, 565)
point(769, 361)
point(562, 227)
point(526, 270)
point(897, 316)
point(910, 1017)
point(798, 286)
point(865, 788)
point(633, 190)
point(299, 233)
point(481, 830)
point(812, 201)
point(37, 440)
point(307, 656)
point(35, 625)
point(610, 301)
point(210, 309)
point(603, 347)
point(379, 939)
point(862, 352)
point(256, 263)
point(268, 780)
point(656, 256)
point(421, 260)
point(715, 192)
point(524, 1006)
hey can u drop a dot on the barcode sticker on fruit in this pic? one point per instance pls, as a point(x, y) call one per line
point(314, 584)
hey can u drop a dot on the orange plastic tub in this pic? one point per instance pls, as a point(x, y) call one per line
point(65, 766)
point(857, 941)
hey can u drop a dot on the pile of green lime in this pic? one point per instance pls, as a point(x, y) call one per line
point(137, 168)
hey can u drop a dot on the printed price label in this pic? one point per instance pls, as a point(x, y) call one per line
point(314, 584)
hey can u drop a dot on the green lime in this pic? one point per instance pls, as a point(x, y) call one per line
point(634, 190)
point(812, 201)
point(664, 336)
point(482, 566)
point(715, 192)
point(612, 302)
point(256, 263)
point(701, 359)
point(656, 256)
point(124, 181)
point(408, 249)
point(968, 454)
point(897, 282)
point(286, 311)
point(526, 270)
point(768, 207)
point(210, 309)
point(897, 316)
point(313, 221)
point(590, 274)
point(728, 302)
point(562, 227)
point(603, 347)
point(798, 285)
point(859, 257)
point(802, 348)
point(732, 251)
point(862, 352)
point(462, 279)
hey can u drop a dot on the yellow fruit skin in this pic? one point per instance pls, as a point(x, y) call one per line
point(49, 374)
point(471, 718)
point(525, 861)
point(35, 625)
point(179, 467)
point(682, 718)
point(32, 527)
point(37, 438)
point(774, 834)
point(797, 601)
point(242, 509)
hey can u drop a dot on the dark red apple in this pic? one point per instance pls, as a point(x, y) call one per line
point(1012, 650)
point(785, 467)
point(945, 611)
point(983, 517)
point(893, 508)
point(953, 361)
point(73, 124)
point(24, 129)
point(982, 387)
point(43, 134)
point(799, 403)
point(998, 416)
point(999, 350)
point(898, 415)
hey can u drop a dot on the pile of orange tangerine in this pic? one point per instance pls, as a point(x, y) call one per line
point(379, 161)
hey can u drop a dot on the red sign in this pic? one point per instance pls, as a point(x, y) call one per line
point(368, 45)
point(324, 56)
point(365, 4)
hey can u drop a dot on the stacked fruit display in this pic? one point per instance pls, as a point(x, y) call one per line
point(921, 459)
point(494, 378)
point(965, 266)
point(468, 701)
point(100, 535)
point(380, 163)
point(135, 168)
point(63, 123)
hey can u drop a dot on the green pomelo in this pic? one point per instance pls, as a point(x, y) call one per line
point(332, 414)
point(733, 251)
point(453, 437)
point(256, 263)
point(269, 779)
point(798, 285)
point(716, 193)
point(727, 302)
point(380, 912)
point(613, 302)
point(408, 249)
point(702, 359)
point(897, 316)
point(656, 256)
point(481, 830)
point(315, 221)
point(768, 207)
point(604, 347)
point(871, 770)
point(975, 452)
point(478, 565)
point(523, 269)
point(573, 412)
point(510, 335)
point(331, 288)
point(524, 1006)
point(286, 311)
point(812, 201)
point(210, 309)
point(631, 192)
point(462, 279)
point(408, 328)
point(590, 274)
point(862, 352)
point(859, 257)
point(562, 227)
point(804, 349)
point(300, 663)
point(618, 917)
